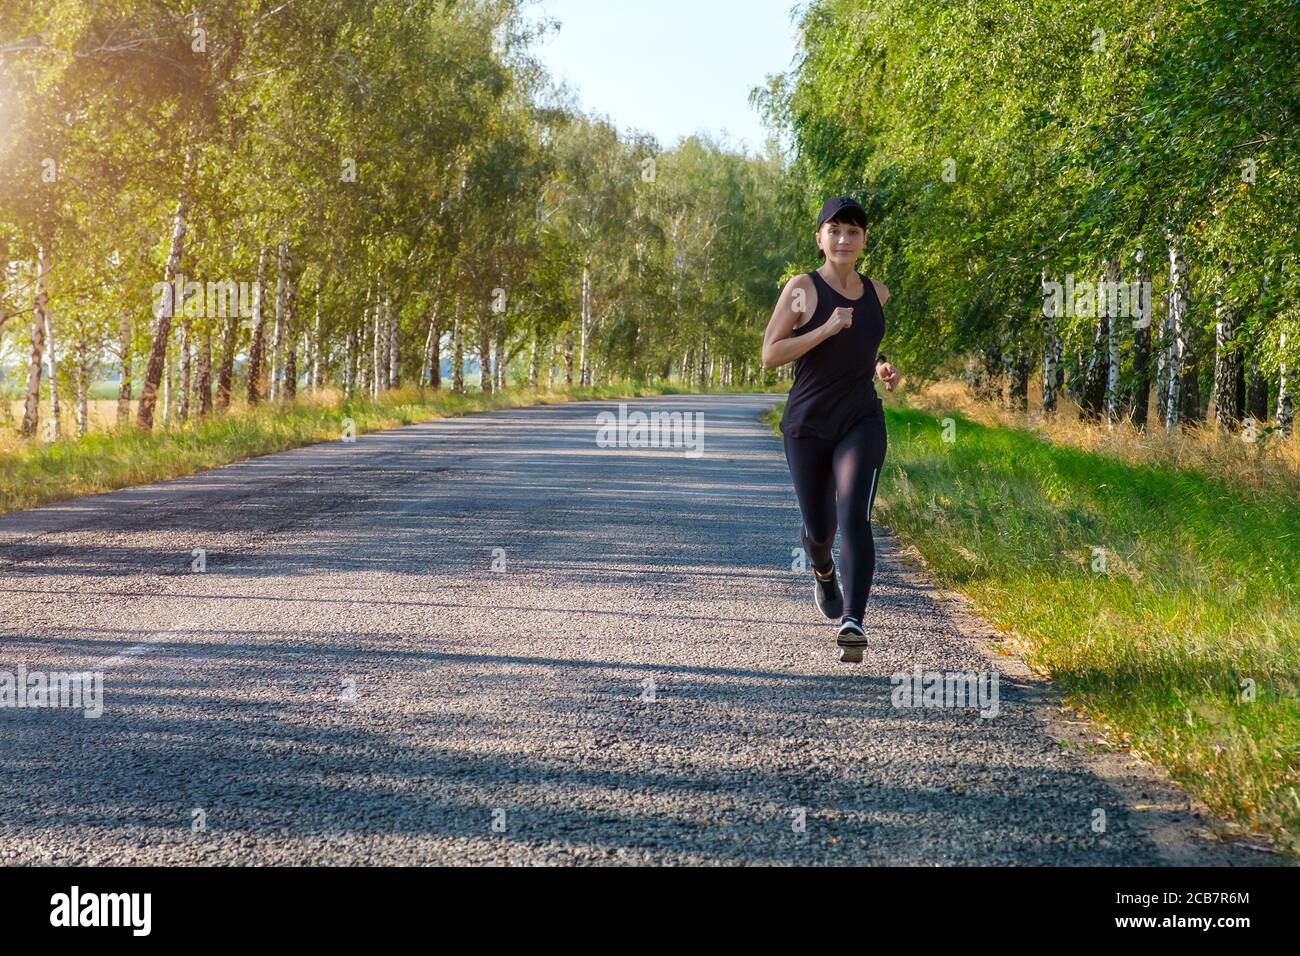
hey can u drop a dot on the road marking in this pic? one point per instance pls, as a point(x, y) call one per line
point(136, 649)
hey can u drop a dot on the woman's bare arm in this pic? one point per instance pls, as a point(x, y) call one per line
point(779, 347)
point(882, 291)
point(888, 374)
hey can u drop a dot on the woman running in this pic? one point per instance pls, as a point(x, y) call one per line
point(829, 322)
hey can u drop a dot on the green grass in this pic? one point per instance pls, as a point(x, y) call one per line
point(1155, 597)
point(34, 473)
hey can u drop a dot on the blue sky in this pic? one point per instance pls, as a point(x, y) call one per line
point(670, 67)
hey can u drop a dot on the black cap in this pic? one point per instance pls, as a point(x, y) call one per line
point(833, 207)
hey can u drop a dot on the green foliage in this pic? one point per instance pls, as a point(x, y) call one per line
point(409, 152)
point(1073, 132)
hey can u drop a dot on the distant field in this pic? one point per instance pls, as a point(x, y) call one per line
point(101, 408)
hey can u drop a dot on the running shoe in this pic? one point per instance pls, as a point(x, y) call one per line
point(827, 594)
point(851, 640)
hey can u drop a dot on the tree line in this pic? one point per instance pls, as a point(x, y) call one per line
point(1104, 196)
point(226, 203)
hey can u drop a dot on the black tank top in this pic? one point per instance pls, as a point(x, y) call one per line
point(834, 382)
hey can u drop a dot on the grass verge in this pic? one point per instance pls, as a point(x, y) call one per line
point(1163, 601)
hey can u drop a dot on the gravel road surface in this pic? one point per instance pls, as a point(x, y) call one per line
point(491, 640)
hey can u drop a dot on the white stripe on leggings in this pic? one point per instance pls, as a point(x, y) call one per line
point(871, 495)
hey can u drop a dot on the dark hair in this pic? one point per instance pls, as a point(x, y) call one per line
point(847, 217)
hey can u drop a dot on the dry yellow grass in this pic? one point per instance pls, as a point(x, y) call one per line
point(101, 412)
point(1271, 462)
point(101, 415)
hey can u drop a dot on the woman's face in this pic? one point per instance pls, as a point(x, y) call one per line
point(841, 241)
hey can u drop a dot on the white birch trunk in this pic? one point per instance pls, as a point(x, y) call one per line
point(31, 406)
point(277, 337)
point(1177, 331)
point(1112, 320)
point(289, 380)
point(349, 353)
point(203, 382)
point(431, 349)
point(394, 372)
point(1223, 393)
point(363, 351)
point(166, 308)
point(361, 347)
point(316, 343)
point(167, 389)
point(259, 332)
point(183, 411)
point(532, 362)
point(584, 375)
point(376, 344)
point(1051, 350)
point(124, 369)
point(1140, 393)
point(458, 350)
point(501, 353)
point(56, 414)
point(1285, 407)
point(82, 384)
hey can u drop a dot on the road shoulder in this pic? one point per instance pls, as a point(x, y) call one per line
point(1186, 832)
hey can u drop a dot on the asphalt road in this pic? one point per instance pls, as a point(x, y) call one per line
point(360, 676)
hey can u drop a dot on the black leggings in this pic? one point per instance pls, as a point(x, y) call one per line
point(835, 482)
